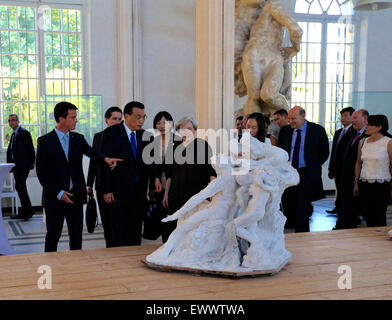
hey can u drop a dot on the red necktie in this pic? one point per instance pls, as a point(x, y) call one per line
point(356, 138)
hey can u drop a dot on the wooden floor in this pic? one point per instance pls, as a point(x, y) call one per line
point(117, 273)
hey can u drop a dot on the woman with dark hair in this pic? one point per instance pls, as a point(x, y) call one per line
point(256, 126)
point(372, 171)
point(163, 125)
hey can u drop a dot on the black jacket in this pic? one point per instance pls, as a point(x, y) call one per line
point(316, 152)
point(96, 169)
point(122, 180)
point(23, 151)
point(54, 171)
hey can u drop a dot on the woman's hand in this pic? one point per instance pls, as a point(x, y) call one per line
point(356, 190)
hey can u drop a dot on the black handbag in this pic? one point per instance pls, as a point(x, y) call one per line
point(91, 214)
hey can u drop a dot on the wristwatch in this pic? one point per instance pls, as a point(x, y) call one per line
point(355, 181)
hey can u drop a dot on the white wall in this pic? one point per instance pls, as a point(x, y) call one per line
point(169, 57)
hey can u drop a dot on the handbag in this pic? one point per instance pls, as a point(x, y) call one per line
point(91, 214)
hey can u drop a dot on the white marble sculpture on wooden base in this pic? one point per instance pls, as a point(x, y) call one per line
point(242, 228)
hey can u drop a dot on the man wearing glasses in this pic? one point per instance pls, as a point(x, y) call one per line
point(125, 187)
point(21, 152)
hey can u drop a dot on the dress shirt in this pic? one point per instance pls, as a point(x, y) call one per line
point(64, 140)
point(301, 163)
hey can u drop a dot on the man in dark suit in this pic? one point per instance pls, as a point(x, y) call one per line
point(21, 152)
point(113, 116)
point(308, 147)
point(60, 172)
point(340, 140)
point(349, 216)
point(126, 186)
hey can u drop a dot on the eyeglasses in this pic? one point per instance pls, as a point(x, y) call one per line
point(138, 118)
point(12, 120)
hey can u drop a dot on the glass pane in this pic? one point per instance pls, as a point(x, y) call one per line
point(301, 6)
point(13, 42)
point(58, 87)
point(56, 43)
point(58, 67)
point(6, 89)
point(65, 21)
point(347, 8)
point(24, 89)
point(49, 67)
point(3, 17)
point(315, 8)
point(74, 87)
point(74, 68)
point(48, 43)
point(55, 20)
point(30, 15)
point(79, 48)
point(325, 4)
point(13, 17)
point(314, 32)
point(78, 27)
point(22, 18)
point(72, 21)
point(47, 20)
point(5, 66)
point(66, 44)
point(72, 44)
point(5, 47)
point(15, 89)
point(31, 44)
point(313, 72)
point(22, 42)
point(33, 90)
point(14, 66)
point(23, 66)
point(314, 53)
point(33, 67)
point(334, 9)
point(49, 87)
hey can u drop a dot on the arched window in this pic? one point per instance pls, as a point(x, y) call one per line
point(324, 69)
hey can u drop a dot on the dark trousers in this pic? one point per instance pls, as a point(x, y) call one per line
point(374, 198)
point(127, 219)
point(297, 203)
point(20, 186)
point(106, 218)
point(339, 196)
point(55, 216)
point(348, 217)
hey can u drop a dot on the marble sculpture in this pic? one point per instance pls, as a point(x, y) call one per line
point(262, 69)
point(242, 228)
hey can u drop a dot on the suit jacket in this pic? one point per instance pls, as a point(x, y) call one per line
point(316, 152)
point(130, 173)
point(54, 171)
point(96, 169)
point(338, 150)
point(350, 160)
point(23, 150)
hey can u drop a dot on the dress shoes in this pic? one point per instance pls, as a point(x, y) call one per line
point(20, 217)
point(333, 211)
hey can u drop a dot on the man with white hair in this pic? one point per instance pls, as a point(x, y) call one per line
point(308, 147)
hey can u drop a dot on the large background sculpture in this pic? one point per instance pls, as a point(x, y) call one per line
point(262, 69)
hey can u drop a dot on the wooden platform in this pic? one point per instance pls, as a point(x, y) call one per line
point(118, 273)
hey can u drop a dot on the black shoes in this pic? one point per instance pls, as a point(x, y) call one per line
point(333, 211)
point(21, 217)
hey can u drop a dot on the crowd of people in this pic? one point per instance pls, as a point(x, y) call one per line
point(131, 190)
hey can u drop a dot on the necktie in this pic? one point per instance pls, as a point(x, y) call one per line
point(297, 146)
point(133, 144)
point(134, 148)
point(341, 135)
point(66, 148)
point(356, 138)
point(12, 145)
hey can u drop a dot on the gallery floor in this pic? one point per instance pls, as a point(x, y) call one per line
point(29, 237)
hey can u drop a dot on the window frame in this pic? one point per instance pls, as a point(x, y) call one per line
point(40, 45)
point(324, 19)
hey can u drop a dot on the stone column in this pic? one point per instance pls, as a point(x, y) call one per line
point(215, 63)
point(129, 49)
